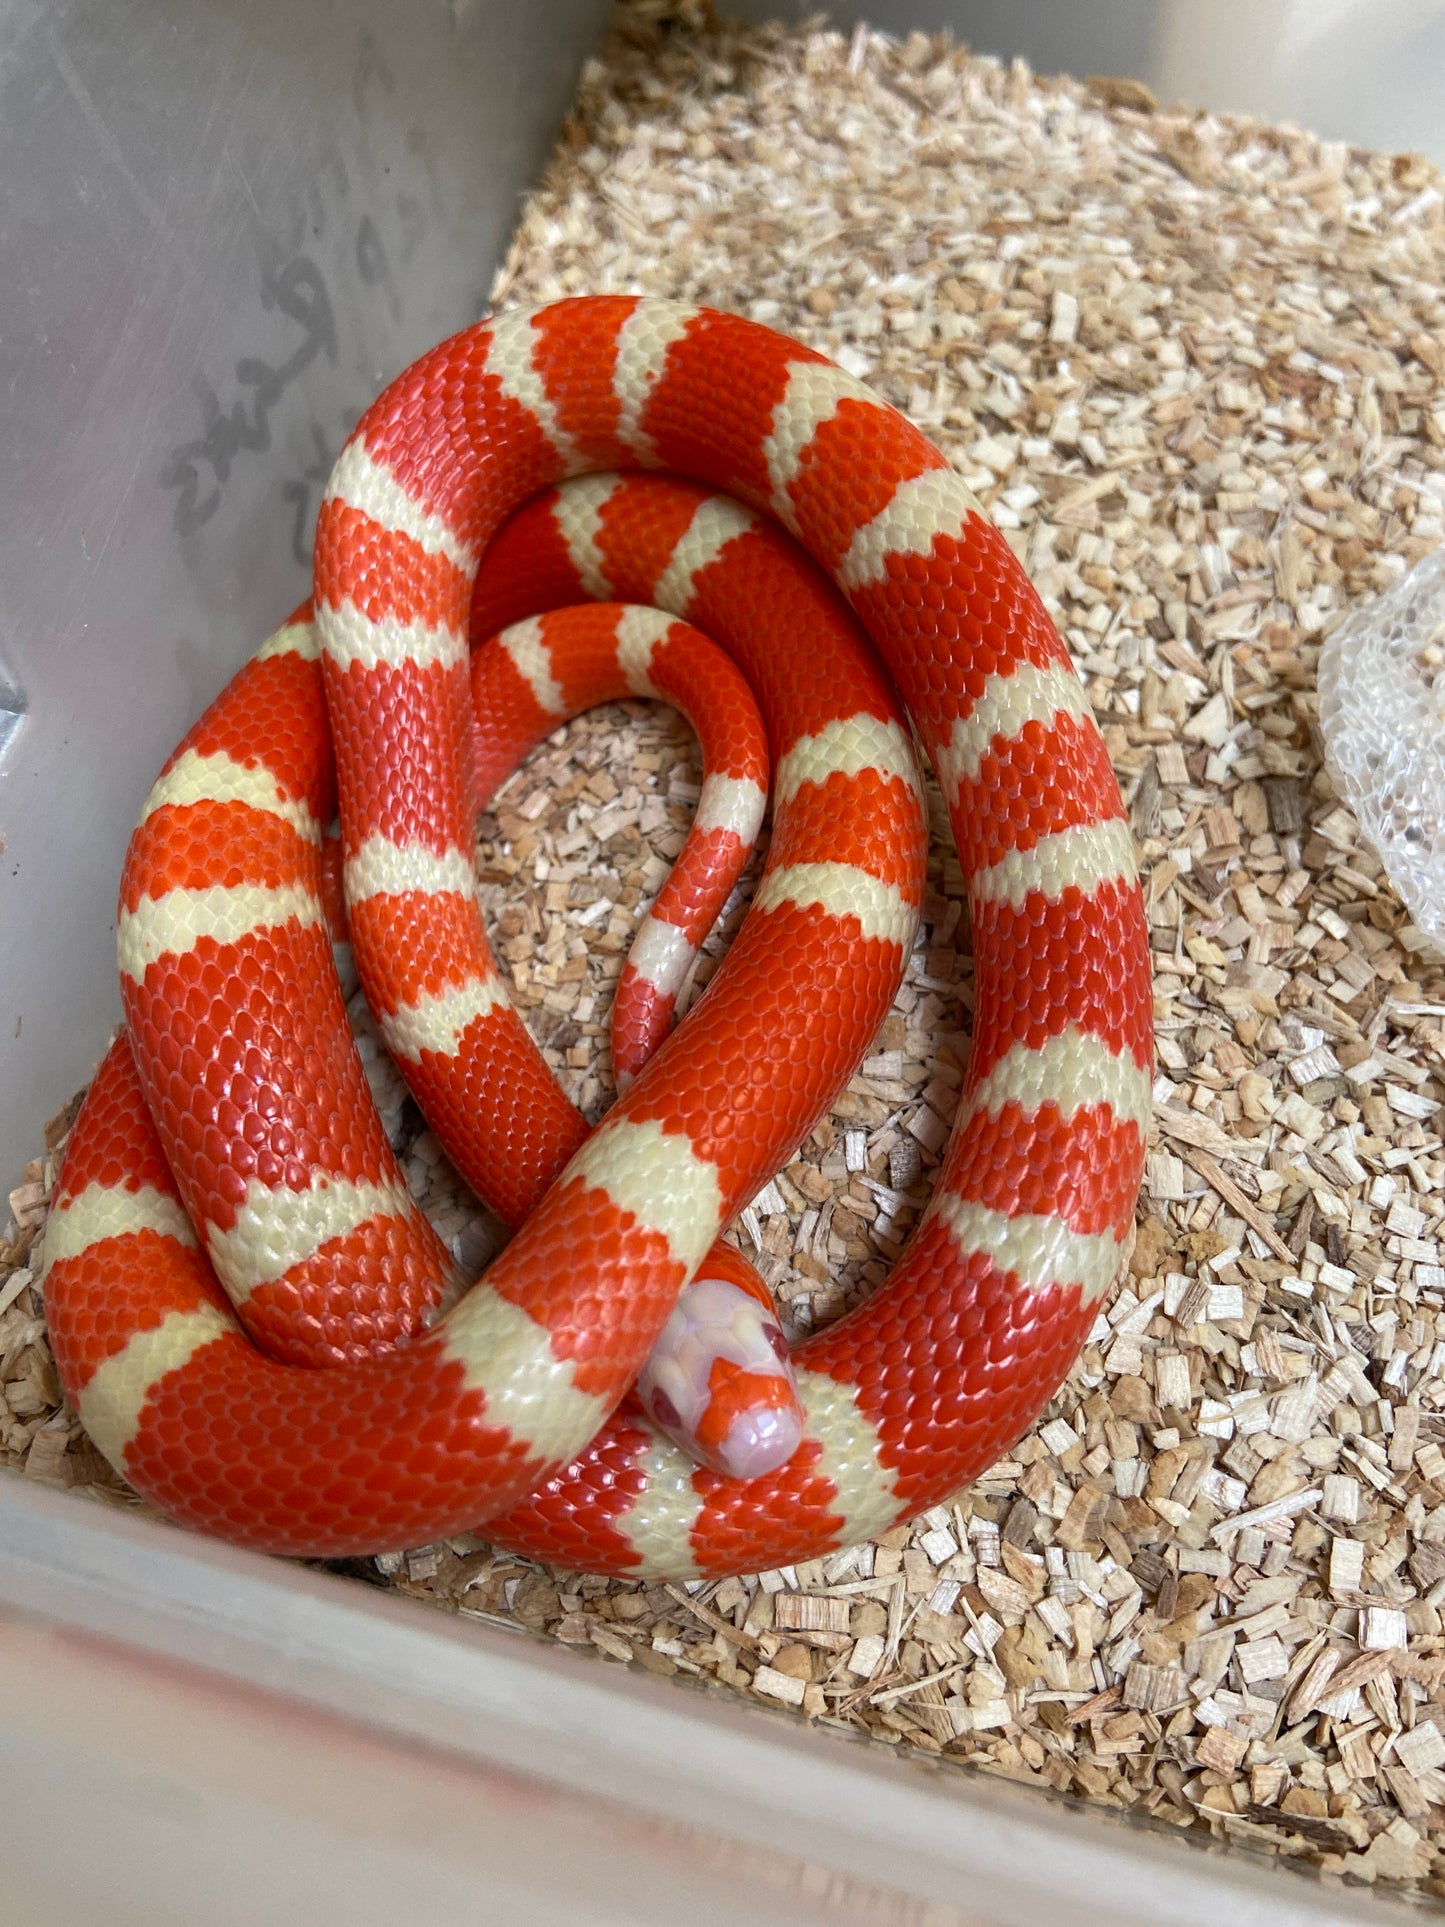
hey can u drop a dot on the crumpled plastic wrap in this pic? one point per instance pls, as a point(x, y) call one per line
point(1382, 715)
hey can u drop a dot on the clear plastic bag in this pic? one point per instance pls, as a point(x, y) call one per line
point(1382, 715)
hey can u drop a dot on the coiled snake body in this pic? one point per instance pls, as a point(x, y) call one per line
point(231, 1128)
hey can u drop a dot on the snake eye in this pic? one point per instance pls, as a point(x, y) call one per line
point(663, 1410)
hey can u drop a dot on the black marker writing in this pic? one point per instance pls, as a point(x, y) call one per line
point(198, 469)
point(298, 493)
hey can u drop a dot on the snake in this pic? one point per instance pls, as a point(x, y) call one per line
point(350, 1394)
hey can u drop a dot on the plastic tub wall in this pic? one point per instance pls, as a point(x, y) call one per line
point(1368, 71)
point(193, 1733)
point(224, 227)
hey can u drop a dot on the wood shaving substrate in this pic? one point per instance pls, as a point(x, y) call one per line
point(1194, 367)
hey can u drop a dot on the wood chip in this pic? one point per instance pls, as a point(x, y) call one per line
point(1220, 1750)
point(778, 1686)
point(1383, 1629)
point(803, 1612)
point(1153, 1689)
point(1238, 1203)
point(1421, 1749)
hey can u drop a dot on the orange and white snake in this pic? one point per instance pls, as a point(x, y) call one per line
point(229, 1134)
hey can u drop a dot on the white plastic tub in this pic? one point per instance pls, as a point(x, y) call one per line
point(225, 226)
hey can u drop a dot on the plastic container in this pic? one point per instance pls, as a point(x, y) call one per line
point(226, 226)
point(1382, 717)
